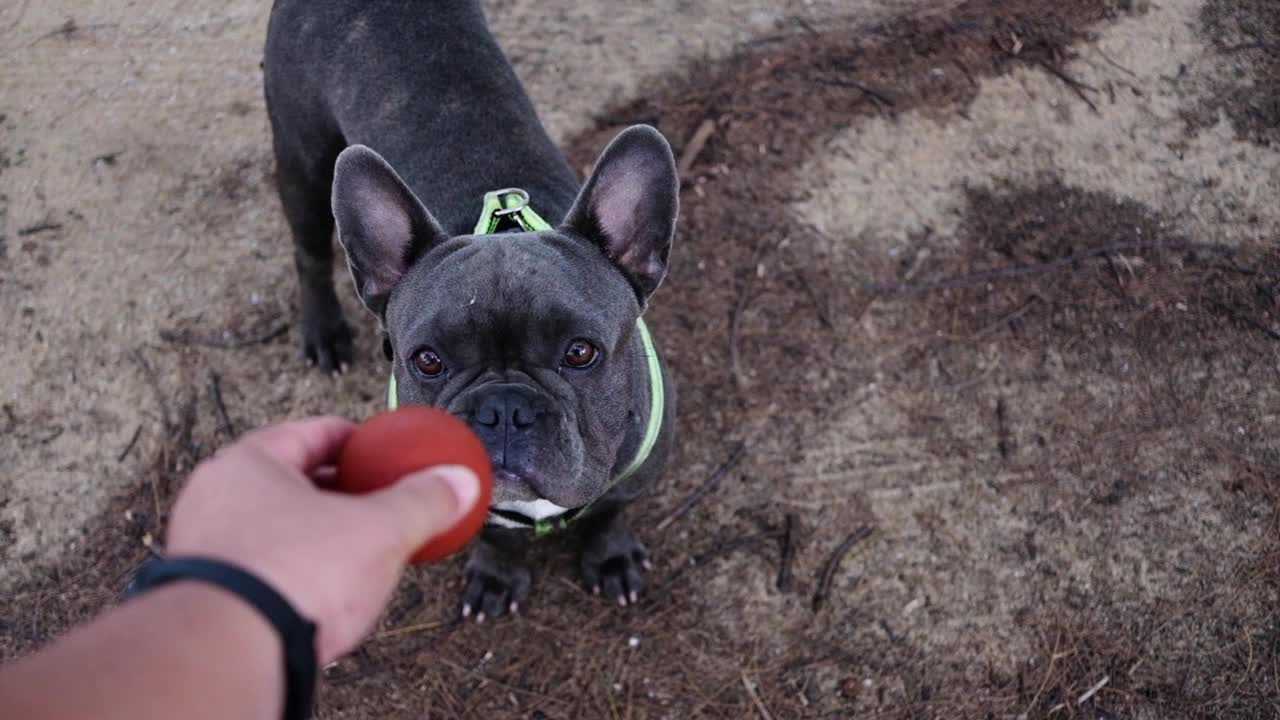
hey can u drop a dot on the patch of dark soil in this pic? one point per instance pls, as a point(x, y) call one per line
point(1115, 291)
point(1170, 345)
point(1207, 654)
point(1042, 259)
point(1246, 34)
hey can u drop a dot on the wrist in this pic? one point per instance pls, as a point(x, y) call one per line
point(296, 667)
point(186, 650)
point(231, 635)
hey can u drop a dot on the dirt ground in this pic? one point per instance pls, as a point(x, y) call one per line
point(975, 314)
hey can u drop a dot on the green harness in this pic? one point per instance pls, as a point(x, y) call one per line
point(513, 204)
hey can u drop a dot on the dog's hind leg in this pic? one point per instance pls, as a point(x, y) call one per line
point(305, 185)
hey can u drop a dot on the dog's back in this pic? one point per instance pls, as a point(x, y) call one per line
point(421, 82)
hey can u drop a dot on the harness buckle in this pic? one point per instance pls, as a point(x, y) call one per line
point(503, 194)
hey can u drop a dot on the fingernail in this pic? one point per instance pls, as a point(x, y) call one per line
point(462, 482)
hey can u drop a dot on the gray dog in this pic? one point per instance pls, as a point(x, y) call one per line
point(515, 301)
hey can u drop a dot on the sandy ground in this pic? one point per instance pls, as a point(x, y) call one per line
point(996, 300)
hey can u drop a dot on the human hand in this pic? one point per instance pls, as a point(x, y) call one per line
point(335, 557)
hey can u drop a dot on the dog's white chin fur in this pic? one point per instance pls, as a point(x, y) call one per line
point(539, 509)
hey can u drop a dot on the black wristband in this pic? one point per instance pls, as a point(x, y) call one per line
point(296, 633)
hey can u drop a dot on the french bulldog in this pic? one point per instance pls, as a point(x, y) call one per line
point(392, 121)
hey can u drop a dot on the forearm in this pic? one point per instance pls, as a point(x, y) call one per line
point(188, 650)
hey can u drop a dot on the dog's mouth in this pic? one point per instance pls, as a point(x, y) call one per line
point(525, 513)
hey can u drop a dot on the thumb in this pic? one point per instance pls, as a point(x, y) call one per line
point(426, 503)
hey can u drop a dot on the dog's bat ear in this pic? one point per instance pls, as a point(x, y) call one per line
point(628, 207)
point(381, 224)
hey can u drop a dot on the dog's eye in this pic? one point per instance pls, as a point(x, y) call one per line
point(580, 354)
point(428, 362)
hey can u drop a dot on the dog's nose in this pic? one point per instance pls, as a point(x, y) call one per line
point(508, 406)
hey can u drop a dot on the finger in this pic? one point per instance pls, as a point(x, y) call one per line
point(425, 504)
point(303, 444)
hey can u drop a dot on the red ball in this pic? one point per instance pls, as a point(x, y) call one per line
point(389, 446)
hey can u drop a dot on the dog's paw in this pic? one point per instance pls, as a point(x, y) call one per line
point(494, 583)
point(613, 562)
point(326, 342)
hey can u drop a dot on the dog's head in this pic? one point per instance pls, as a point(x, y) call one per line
point(530, 337)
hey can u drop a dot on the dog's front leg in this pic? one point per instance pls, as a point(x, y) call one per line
point(497, 574)
point(613, 560)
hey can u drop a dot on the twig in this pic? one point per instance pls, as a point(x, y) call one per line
point(504, 685)
point(805, 25)
point(182, 337)
point(9, 417)
point(707, 699)
point(410, 629)
point(735, 315)
point(1247, 320)
point(1076, 86)
point(1048, 673)
point(788, 552)
point(39, 228)
point(1093, 690)
point(735, 322)
point(710, 484)
point(1257, 45)
point(219, 407)
point(820, 307)
point(614, 120)
point(69, 28)
point(882, 100)
point(1024, 270)
point(1112, 62)
point(755, 697)
point(128, 448)
point(1006, 319)
point(721, 549)
point(694, 147)
point(964, 69)
point(1002, 429)
point(107, 158)
point(833, 563)
point(153, 380)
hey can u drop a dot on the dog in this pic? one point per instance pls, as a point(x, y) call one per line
point(509, 293)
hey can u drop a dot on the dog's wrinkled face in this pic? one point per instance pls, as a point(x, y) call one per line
point(529, 337)
point(524, 336)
